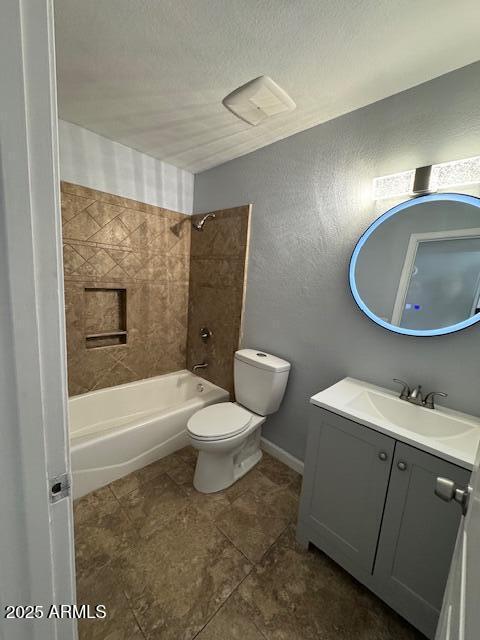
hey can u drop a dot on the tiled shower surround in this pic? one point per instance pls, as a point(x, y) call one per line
point(217, 284)
point(141, 252)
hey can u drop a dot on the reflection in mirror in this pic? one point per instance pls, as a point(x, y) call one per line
point(416, 270)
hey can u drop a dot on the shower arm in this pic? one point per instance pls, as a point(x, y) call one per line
point(199, 225)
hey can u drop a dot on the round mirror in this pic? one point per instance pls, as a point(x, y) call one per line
point(416, 269)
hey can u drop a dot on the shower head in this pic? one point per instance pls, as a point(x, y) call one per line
point(199, 225)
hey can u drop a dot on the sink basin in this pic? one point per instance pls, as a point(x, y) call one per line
point(448, 434)
point(428, 422)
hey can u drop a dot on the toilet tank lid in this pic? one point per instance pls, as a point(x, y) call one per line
point(262, 360)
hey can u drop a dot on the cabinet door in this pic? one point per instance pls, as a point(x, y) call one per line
point(418, 537)
point(345, 482)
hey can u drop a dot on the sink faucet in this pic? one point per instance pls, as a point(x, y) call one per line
point(415, 395)
point(202, 365)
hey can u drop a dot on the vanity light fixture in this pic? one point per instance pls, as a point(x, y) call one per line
point(394, 185)
point(455, 174)
point(428, 179)
point(421, 180)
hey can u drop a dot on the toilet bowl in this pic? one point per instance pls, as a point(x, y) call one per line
point(221, 432)
point(227, 435)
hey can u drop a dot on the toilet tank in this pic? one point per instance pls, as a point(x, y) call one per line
point(260, 380)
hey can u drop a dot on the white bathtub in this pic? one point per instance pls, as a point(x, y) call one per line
point(117, 430)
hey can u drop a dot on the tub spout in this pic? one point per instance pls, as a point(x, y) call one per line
point(202, 365)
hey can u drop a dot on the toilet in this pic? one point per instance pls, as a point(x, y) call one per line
point(227, 434)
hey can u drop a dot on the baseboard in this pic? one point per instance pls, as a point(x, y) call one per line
point(276, 452)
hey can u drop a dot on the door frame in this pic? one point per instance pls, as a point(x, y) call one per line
point(36, 550)
point(410, 256)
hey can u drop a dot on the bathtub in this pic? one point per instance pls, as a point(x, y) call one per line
point(120, 429)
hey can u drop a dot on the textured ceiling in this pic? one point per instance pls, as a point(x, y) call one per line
point(151, 74)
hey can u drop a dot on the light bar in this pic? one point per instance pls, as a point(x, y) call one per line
point(444, 176)
point(396, 184)
point(456, 173)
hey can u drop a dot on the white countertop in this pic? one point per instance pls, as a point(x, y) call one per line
point(447, 434)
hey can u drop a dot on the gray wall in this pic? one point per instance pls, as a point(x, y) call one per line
point(312, 199)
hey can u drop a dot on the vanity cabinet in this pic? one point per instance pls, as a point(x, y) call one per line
point(368, 502)
point(344, 488)
point(418, 534)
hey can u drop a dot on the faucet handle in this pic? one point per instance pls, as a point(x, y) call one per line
point(428, 402)
point(205, 334)
point(405, 392)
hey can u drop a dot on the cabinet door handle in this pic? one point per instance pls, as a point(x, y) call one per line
point(402, 465)
point(383, 455)
point(447, 490)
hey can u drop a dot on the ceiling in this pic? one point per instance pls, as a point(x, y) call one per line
point(151, 74)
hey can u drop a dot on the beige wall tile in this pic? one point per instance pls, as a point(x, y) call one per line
point(132, 219)
point(176, 283)
point(124, 244)
point(80, 227)
point(217, 270)
point(104, 310)
point(102, 213)
point(112, 233)
point(85, 250)
point(102, 262)
point(72, 260)
point(71, 205)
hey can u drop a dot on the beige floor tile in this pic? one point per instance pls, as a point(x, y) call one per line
point(170, 563)
point(182, 472)
point(180, 576)
point(187, 454)
point(284, 502)
point(277, 472)
point(102, 587)
point(251, 525)
point(143, 476)
point(296, 484)
point(154, 504)
point(298, 595)
point(254, 481)
point(231, 622)
point(210, 505)
point(94, 505)
point(99, 541)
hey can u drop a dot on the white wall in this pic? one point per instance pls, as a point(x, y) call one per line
point(96, 162)
point(312, 198)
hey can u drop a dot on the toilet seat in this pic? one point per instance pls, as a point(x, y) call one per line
point(219, 421)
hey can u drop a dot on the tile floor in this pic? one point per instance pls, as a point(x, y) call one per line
point(173, 564)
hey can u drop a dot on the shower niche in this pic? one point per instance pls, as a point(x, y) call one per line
point(105, 317)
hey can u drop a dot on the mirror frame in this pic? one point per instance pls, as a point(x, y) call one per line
point(431, 197)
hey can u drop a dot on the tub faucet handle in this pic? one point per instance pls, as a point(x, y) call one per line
point(205, 334)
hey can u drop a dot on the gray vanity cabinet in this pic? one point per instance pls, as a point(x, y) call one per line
point(418, 535)
point(368, 501)
point(344, 488)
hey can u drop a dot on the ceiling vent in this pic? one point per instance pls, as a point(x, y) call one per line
point(258, 100)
